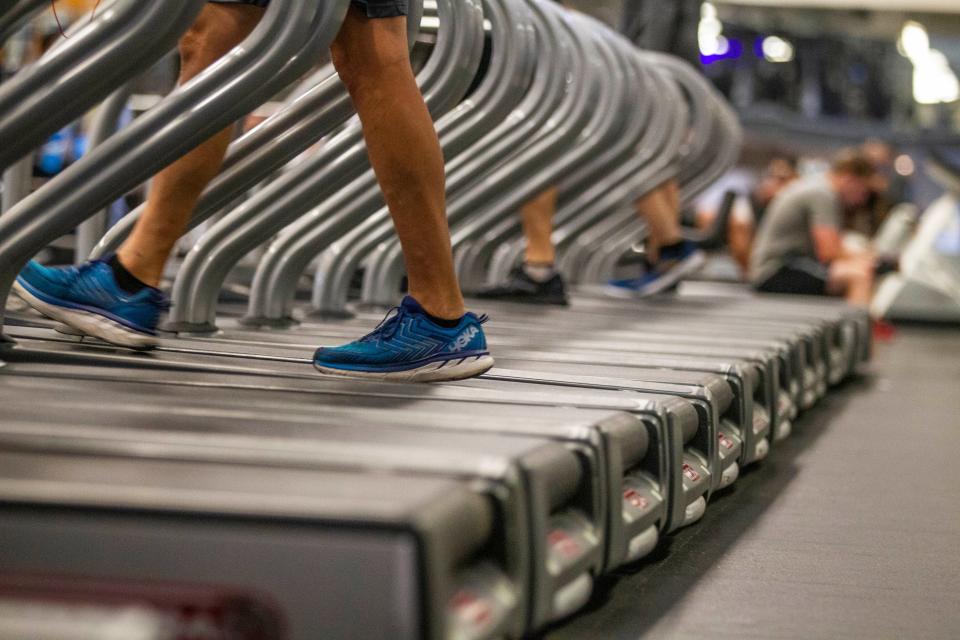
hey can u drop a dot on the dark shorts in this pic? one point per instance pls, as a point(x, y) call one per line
point(371, 8)
point(802, 276)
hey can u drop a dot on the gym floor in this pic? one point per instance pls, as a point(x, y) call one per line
point(849, 530)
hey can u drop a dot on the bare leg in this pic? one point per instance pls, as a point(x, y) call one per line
point(537, 218)
point(660, 208)
point(740, 234)
point(672, 188)
point(177, 188)
point(853, 279)
point(372, 59)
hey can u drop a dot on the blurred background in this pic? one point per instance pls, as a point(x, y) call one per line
point(807, 77)
point(810, 76)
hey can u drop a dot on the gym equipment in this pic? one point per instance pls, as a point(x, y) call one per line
point(187, 117)
point(927, 286)
point(411, 544)
point(220, 473)
point(647, 487)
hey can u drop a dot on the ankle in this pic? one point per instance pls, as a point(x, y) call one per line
point(673, 249)
point(539, 271)
point(441, 311)
point(140, 268)
point(125, 279)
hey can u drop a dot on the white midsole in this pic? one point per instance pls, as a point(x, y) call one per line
point(468, 367)
point(88, 323)
point(669, 279)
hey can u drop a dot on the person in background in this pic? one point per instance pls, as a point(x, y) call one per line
point(799, 247)
point(670, 257)
point(749, 206)
point(888, 189)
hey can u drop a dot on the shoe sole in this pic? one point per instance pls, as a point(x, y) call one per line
point(671, 279)
point(446, 371)
point(89, 323)
point(546, 302)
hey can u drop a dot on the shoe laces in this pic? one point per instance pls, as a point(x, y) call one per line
point(78, 271)
point(388, 326)
point(392, 322)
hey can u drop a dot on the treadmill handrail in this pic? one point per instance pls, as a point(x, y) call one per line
point(445, 78)
point(186, 117)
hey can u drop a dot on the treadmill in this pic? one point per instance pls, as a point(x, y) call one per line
point(645, 452)
point(308, 550)
point(544, 493)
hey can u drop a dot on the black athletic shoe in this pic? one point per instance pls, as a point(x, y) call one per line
point(522, 288)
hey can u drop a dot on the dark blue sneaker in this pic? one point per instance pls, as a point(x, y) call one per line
point(409, 347)
point(88, 299)
point(520, 287)
point(675, 264)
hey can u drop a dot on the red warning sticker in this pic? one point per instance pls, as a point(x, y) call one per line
point(471, 609)
point(690, 473)
point(564, 543)
point(634, 499)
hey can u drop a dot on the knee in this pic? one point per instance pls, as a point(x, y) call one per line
point(192, 48)
point(211, 36)
point(344, 66)
point(353, 69)
point(360, 69)
point(199, 47)
point(862, 273)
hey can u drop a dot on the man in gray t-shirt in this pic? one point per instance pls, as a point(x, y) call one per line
point(787, 233)
point(799, 247)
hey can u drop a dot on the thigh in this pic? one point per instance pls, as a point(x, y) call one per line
point(801, 276)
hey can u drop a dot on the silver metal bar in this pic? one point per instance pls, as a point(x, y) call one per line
point(187, 117)
point(338, 263)
point(104, 125)
point(631, 179)
point(342, 159)
point(610, 69)
point(14, 14)
point(124, 38)
point(17, 181)
point(268, 147)
point(511, 69)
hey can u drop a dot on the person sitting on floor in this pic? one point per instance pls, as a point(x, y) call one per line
point(799, 247)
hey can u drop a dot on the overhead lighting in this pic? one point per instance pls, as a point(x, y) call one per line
point(710, 31)
point(934, 82)
point(914, 41)
point(713, 44)
point(776, 49)
point(904, 165)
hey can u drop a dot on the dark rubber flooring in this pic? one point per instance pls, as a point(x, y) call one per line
point(851, 529)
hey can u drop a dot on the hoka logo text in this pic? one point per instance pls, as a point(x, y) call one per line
point(463, 340)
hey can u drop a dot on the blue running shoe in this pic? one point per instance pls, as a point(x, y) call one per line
point(675, 264)
point(409, 347)
point(88, 299)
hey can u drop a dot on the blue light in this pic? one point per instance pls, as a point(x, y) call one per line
point(734, 52)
